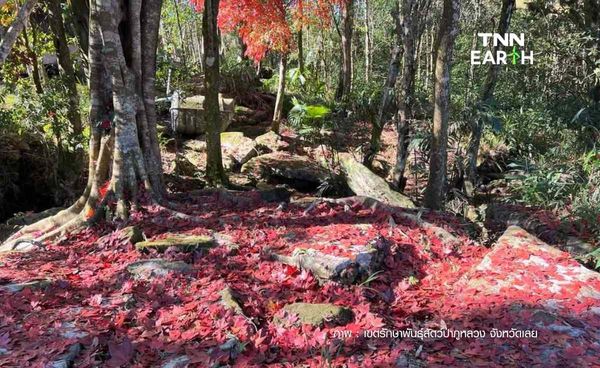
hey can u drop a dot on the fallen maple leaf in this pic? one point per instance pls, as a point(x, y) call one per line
point(120, 354)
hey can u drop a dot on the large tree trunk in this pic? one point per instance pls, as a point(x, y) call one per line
point(126, 157)
point(9, 38)
point(215, 174)
point(388, 92)
point(345, 83)
point(487, 94)
point(280, 94)
point(413, 14)
point(66, 64)
point(436, 186)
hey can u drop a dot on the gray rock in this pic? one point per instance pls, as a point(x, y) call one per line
point(181, 361)
point(34, 284)
point(152, 268)
point(286, 166)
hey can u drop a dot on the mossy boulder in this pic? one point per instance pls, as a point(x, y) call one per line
point(151, 268)
point(318, 313)
point(133, 234)
point(270, 142)
point(292, 168)
point(184, 243)
point(364, 182)
point(237, 149)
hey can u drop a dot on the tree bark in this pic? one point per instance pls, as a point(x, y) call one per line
point(300, 51)
point(9, 38)
point(124, 158)
point(367, 42)
point(280, 94)
point(487, 94)
point(66, 64)
point(436, 185)
point(215, 174)
point(35, 75)
point(388, 92)
point(413, 14)
point(345, 85)
point(81, 21)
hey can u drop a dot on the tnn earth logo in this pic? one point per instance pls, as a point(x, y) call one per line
point(514, 42)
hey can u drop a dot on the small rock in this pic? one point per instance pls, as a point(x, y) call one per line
point(34, 284)
point(183, 243)
point(230, 300)
point(237, 148)
point(318, 314)
point(132, 234)
point(270, 142)
point(184, 167)
point(151, 268)
point(224, 240)
point(67, 359)
point(194, 145)
point(181, 361)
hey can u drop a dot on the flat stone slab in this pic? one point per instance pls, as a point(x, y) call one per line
point(152, 268)
point(183, 243)
point(316, 314)
point(527, 285)
point(521, 263)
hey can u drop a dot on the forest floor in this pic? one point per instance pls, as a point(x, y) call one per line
point(97, 298)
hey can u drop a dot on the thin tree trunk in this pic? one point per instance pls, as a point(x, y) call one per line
point(215, 173)
point(181, 37)
point(367, 42)
point(81, 21)
point(9, 38)
point(436, 185)
point(35, 75)
point(345, 85)
point(413, 14)
point(388, 92)
point(66, 64)
point(487, 94)
point(280, 94)
point(300, 51)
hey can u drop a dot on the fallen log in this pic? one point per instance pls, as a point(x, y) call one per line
point(324, 267)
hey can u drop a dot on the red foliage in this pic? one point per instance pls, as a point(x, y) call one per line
point(122, 321)
point(264, 25)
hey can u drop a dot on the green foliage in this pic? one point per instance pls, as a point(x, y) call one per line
point(307, 119)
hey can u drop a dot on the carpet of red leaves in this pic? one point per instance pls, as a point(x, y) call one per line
point(125, 322)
